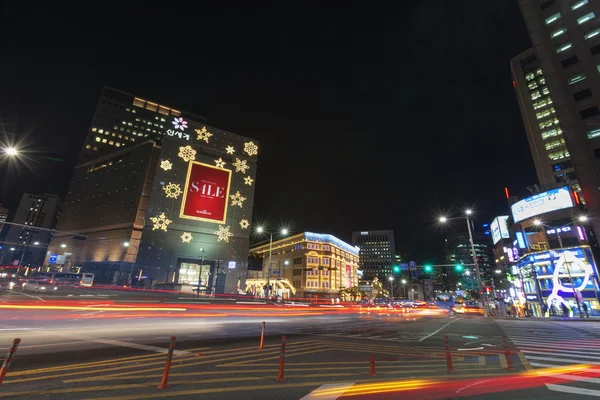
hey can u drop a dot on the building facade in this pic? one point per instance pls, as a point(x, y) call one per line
point(172, 210)
point(556, 83)
point(3, 218)
point(27, 245)
point(458, 251)
point(377, 253)
point(305, 265)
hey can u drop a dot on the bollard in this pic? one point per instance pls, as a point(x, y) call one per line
point(509, 361)
point(280, 377)
point(262, 337)
point(8, 359)
point(165, 377)
point(448, 355)
point(372, 371)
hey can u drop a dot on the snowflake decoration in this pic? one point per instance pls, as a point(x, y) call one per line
point(237, 199)
point(166, 165)
point(220, 163)
point(251, 149)
point(187, 153)
point(240, 165)
point(186, 237)
point(223, 234)
point(248, 181)
point(173, 190)
point(179, 123)
point(160, 222)
point(244, 224)
point(203, 134)
point(230, 150)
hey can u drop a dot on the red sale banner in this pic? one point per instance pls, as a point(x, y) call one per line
point(206, 193)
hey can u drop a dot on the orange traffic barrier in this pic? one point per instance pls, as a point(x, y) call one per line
point(262, 337)
point(280, 377)
point(509, 361)
point(165, 378)
point(448, 355)
point(8, 359)
point(372, 372)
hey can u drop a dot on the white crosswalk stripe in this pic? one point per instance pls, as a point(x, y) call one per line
point(367, 330)
point(549, 344)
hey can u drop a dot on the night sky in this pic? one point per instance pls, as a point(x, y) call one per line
point(368, 117)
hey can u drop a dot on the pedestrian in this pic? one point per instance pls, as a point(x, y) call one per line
point(565, 310)
point(585, 310)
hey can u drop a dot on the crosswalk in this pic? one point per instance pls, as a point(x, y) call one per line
point(368, 330)
point(572, 349)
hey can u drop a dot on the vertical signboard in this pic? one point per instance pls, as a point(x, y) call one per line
point(206, 193)
point(348, 277)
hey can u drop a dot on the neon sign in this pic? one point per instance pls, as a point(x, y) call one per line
point(559, 230)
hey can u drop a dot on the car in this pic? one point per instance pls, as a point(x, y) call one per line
point(39, 286)
point(8, 283)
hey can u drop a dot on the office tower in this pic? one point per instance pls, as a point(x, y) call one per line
point(377, 252)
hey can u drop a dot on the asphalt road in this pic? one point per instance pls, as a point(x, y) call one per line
point(80, 353)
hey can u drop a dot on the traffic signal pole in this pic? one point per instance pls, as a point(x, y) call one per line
point(479, 283)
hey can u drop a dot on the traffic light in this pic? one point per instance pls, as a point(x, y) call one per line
point(488, 290)
point(396, 269)
point(459, 267)
point(427, 268)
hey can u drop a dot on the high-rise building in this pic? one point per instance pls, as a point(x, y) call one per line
point(174, 207)
point(377, 253)
point(122, 119)
point(27, 245)
point(458, 251)
point(557, 83)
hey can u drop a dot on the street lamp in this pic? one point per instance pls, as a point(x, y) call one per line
point(391, 279)
point(11, 151)
point(581, 218)
point(63, 246)
point(404, 286)
point(283, 232)
point(126, 245)
point(468, 212)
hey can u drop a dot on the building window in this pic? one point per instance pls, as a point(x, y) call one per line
point(578, 4)
point(582, 94)
point(552, 18)
point(94, 129)
point(325, 261)
point(95, 148)
point(545, 113)
point(551, 133)
point(298, 261)
point(558, 32)
point(591, 34)
point(593, 134)
point(567, 62)
point(87, 146)
point(139, 102)
point(554, 144)
point(547, 4)
point(597, 153)
point(98, 139)
point(104, 140)
point(111, 142)
point(595, 50)
point(589, 112)
point(585, 18)
point(564, 47)
point(576, 78)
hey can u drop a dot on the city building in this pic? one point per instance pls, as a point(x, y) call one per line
point(556, 83)
point(27, 245)
point(377, 253)
point(3, 218)
point(305, 265)
point(458, 251)
point(171, 209)
point(122, 119)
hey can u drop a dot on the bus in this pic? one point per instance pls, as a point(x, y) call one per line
point(65, 278)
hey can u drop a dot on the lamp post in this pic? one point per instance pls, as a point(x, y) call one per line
point(404, 287)
point(126, 245)
point(582, 218)
point(468, 213)
point(391, 279)
point(283, 232)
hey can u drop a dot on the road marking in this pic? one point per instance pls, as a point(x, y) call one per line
point(139, 346)
point(437, 331)
point(558, 353)
point(473, 384)
point(573, 390)
point(475, 348)
point(563, 360)
point(337, 388)
point(18, 329)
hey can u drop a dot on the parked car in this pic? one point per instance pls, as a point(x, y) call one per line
point(39, 286)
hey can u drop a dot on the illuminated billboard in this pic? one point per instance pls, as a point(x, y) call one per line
point(499, 228)
point(552, 200)
point(206, 193)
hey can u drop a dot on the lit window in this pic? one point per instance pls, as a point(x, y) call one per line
point(111, 142)
point(120, 136)
point(98, 139)
point(100, 130)
point(118, 144)
point(594, 133)
point(563, 47)
point(104, 140)
point(151, 106)
point(554, 144)
point(591, 34)
point(114, 134)
point(576, 78)
point(598, 67)
point(139, 102)
point(95, 148)
point(94, 129)
point(536, 95)
point(559, 155)
point(558, 32)
point(585, 18)
point(175, 113)
point(87, 146)
point(545, 113)
point(578, 4)
point(115, 127)
point(552, 18)
point(551, 133)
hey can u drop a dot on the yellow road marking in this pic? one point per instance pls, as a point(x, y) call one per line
point(525, 362)
point(290, 354)
point(503, 362)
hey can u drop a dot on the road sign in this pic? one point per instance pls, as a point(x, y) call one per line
point(412, 265)
point(52, 258)
point(403, 267)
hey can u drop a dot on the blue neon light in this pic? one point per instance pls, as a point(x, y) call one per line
point(521, 240)
point(326, 238)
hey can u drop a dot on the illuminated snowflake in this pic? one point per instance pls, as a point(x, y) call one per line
point(250, 148)
point(160, 222)
point(244, 224)
point(230, 150)
point(220, 163)
point(240, 165)
point(248, 181)
point(173, 190)
point(237, 199)
point(186, 237)
point(166, 165)
point(179, 123)
point(203, 134)
point(223, 234)
point(187, 153)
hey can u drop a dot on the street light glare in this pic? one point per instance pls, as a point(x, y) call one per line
point(403, 281)
point(36, 243)
point(11, 151)
point(391, 278)
point(284, 231)
point(259, 229)
point(63, 245)
point(443, 219)
point(583, 218)
point(468, 211)
point(126, 244)
point(537, 222)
